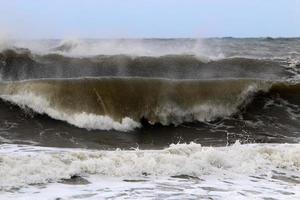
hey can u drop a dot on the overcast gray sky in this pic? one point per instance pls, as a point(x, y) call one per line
point(149, 18)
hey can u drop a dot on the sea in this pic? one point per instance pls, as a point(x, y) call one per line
point(214, 118)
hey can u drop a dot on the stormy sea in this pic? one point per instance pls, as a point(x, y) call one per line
point(216, 118)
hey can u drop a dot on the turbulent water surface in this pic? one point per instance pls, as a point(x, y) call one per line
point(150, 119)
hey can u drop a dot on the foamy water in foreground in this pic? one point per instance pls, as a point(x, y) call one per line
point(182, 171)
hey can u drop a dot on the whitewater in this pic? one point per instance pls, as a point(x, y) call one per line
point(187, 170)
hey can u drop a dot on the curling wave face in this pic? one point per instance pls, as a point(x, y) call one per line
point(121, 103)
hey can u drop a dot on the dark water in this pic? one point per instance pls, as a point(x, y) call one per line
point(159, 88)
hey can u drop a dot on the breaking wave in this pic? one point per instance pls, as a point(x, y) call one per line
point(122, 103)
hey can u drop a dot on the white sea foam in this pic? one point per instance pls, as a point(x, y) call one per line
point(83, 120)
point(22, 165)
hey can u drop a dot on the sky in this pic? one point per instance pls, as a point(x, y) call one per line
point(43, 19)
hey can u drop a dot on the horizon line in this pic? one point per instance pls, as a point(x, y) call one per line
point(152, 38)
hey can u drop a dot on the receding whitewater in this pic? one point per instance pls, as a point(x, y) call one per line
point(150, 119)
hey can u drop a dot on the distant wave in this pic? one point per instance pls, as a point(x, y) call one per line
point(21, 64)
